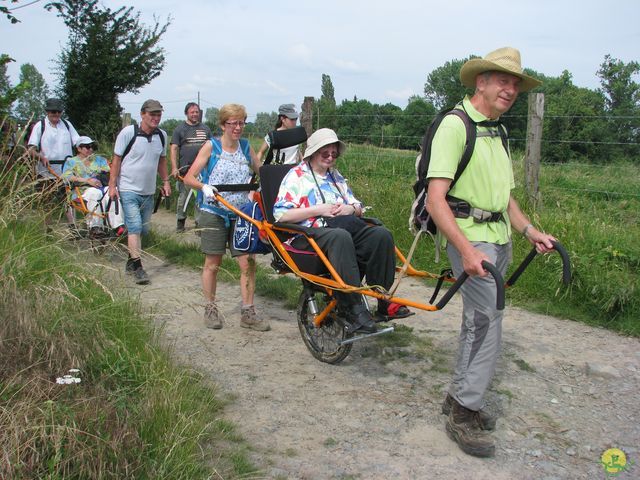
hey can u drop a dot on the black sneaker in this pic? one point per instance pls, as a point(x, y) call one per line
point(180, 225)
point(359, 320)
point(141, 276)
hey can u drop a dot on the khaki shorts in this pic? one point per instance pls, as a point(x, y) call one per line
point(215, 238)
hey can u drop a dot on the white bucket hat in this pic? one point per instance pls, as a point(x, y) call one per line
point(506, 59)
point(320, 138)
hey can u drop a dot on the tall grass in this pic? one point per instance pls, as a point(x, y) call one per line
point(134, 414)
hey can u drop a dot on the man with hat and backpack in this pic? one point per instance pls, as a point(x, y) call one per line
point(475, 216)
point(139, 153)
point(51, 142)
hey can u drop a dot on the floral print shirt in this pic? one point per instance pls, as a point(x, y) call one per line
point(299, 190)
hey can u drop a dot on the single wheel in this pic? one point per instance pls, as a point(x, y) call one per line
point(324, 341)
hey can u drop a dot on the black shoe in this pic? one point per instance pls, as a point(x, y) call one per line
point(359, 320)
point(130, 267)
point(180, 225)
point(97, 233)
point(141, 276)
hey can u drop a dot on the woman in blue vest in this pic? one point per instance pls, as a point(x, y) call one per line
point(227, 160)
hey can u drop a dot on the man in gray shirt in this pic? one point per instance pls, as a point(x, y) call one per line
point(138, 154)
point(186, 141)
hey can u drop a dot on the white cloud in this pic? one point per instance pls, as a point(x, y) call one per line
point(402, 94)
point(277, 87)
point(301, 52)
point(349, 66)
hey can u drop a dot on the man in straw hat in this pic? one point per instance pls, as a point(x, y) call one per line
point(485, 185)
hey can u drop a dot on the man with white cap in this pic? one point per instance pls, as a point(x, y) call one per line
point(485, 184)
point(139, 153)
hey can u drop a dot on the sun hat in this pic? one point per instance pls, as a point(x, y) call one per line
point(288, 110)
point(151, 106)
point(53, 104)
point(506, 59)
point(320, 138)
point(84, 140)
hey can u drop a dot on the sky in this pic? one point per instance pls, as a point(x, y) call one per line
point(263, 53)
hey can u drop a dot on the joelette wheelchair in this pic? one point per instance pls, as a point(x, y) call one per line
point(321, 322)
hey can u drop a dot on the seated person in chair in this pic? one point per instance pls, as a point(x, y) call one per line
point(315, 194)
point(91, 173)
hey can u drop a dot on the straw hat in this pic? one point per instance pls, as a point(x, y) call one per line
point(320, 138)
point(506, 59)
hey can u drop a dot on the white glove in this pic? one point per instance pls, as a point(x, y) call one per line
point(209, 192)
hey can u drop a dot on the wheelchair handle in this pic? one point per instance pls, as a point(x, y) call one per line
point(497, 277)
point(566, 264)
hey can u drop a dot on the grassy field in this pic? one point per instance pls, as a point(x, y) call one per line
point(133, 413)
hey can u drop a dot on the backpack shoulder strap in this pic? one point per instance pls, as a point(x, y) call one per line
point(470, 142)
point(246, 149)
point(131, 142)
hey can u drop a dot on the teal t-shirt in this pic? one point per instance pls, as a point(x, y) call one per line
point(487, 180)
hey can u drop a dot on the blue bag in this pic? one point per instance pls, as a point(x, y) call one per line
point(246, 237)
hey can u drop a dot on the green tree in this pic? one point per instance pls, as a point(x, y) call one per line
point(443, 88)
point(30, 102)
point(211, 118)
point(410, 126)
point(622, 96)
point(169, 125)
point(8, 94)
point(108, 53)
point(265, 122)
point(326, 107)
point(574, 124)
point(8, 13)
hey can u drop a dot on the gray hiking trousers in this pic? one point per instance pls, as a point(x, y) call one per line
point(481, 331)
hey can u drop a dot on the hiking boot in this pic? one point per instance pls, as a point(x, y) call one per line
point(96, 233)
point(212, 318)
point(249, 319)
point(462, 428)
point(484, 420)
point(141, 276)
point(130, 267)
point(180, 225)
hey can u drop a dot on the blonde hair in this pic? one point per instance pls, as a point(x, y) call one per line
point(231, 110)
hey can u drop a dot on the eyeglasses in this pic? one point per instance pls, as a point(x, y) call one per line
point(326, 155)
point(88, 147)
point(235, 124)
point(54, 111)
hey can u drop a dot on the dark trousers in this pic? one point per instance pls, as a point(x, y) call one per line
point(370, 252)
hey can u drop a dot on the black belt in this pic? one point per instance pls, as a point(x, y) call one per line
point(462, 209)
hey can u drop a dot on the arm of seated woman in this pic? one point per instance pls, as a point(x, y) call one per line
point(297, 215)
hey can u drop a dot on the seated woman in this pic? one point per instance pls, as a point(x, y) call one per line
point(87, 170)
point(315, 194)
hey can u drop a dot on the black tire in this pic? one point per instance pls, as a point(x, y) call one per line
point(323, 341)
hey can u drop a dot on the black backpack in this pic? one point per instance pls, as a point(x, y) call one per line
point(138, 133)
point(420, 220)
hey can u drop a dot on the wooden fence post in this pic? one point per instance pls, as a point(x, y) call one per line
point(306, 115)
point(533, 148)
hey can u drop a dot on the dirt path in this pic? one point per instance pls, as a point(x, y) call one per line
point(377, 414)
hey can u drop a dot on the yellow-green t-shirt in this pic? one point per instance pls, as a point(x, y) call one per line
point(487, 180)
